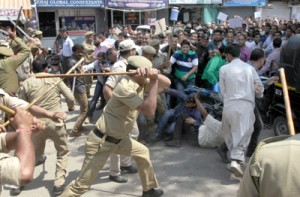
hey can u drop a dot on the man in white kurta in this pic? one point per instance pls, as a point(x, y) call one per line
point(239, 85)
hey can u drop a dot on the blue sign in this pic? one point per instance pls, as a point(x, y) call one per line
point(232, 3)
point(69, 3)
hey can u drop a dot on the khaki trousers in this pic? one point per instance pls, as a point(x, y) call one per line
point(83, 102)
point(57, 133)
point(96, 154)
point(117, 160)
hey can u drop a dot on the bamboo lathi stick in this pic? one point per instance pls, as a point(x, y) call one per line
point(7, 110)
point(84, 74)
point(51, 87)
point(287, 102)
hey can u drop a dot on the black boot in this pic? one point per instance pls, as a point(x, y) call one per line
point(153, 193)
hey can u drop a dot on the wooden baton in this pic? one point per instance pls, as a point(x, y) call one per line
point(287, 102)
point(7, 110)
point(84, 74)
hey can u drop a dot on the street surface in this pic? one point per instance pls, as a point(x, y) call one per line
point(188, 171)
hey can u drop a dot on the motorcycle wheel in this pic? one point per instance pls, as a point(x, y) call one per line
point(280, 126)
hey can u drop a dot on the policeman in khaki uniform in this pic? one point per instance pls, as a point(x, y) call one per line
point(10, 62)
point(119, 163)
point(89, 49)
point(37, 38)
point(113, 127)
point(159, 62)
point(19, 171)
point(148, 52)
point(34, 87)
point(24, 70)
point(273, 170)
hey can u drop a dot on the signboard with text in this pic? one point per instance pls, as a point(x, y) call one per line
point(69, 3)
point(195, 1)
point(137, 4)
point(245, 3)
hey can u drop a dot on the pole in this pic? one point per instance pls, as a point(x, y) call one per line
point(287, 102)
point(84, 74)
point(51, 87)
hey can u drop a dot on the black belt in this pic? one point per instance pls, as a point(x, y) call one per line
point(108, 138)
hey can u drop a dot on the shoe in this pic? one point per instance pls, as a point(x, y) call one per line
point(16, 191)
point(57, 190)
point(223, 154)
point(236, 169)
point(75, 134)
point(41, 161)
point(129, 169)
point(153, 193)
point(174, 143)
point(118, 179)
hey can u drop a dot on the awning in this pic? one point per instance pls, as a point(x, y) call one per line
point(10, 8)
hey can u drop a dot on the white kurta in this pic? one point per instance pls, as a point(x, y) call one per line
point(237, 81)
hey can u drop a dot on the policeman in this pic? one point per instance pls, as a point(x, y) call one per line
point(119, 163)
point(37, 38)
point(24, 70)
point(34, 87)
point(17, 170)
point(273, 169)
point(9, 64)
point(148, 52)
point(89, 49)
point(17, 178)
point(111, 133)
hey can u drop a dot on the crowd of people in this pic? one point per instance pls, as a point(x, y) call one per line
point(165, 68)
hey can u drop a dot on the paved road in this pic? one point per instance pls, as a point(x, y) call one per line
point(185, 172)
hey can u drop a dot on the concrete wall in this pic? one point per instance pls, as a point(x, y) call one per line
point(277, 9)
point(239, 11)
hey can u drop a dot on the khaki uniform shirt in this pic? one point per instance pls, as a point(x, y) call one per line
point(273, 169)
point(8, 66)
point(24, 70)
point(158, 61)
point(89, 52)
point(120, 113)
point(35, 87)
point(9, 166)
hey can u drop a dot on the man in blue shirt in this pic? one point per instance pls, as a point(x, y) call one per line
point(183, 118)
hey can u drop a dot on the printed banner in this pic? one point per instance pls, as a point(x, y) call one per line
point(245, 3)
point(69, 3)
point(137, 4)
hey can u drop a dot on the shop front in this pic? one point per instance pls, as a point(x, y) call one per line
point(135, 12)
point(73, 15)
